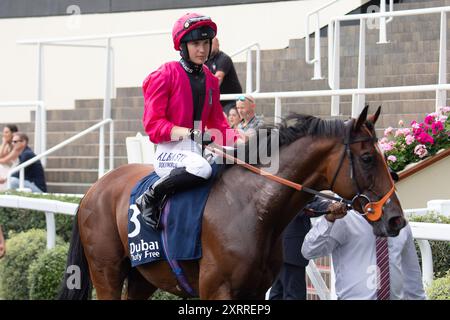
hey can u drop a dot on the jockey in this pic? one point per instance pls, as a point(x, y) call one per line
point(182, 98)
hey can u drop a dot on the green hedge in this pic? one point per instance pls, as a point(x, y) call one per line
point(17, 220)
point(45, 274)
point(440, 288)
point(163, 295)
point(440, 249)
point(22, 249)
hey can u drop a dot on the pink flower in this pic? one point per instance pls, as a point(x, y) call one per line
point(392, 158)
point(443, 118)
point(428, 119)
point(445, 110)
point(402, 132)
point(388, 131)
point(420, 150)
point(401, 123)
point(417, 132)
point(424, 138)
point(437, 127)
point(415, 125)
point(387, 146)
point(409, 139)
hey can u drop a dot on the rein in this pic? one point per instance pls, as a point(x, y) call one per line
point(372, 210)
point(275, 178)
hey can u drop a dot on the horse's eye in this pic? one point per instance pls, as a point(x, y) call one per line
point(367, 158)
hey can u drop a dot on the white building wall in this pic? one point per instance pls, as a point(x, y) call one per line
point(73, 73)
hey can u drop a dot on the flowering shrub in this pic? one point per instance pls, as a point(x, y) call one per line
point(408, 145)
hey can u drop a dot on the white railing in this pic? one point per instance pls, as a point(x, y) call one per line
point(334, 60)
point(340, 92)
point(317, 50)
point(317, 59)
point(50, 207)
point(101, 159)
point(40, 122)
point(109, 57)
point(249, 79)
point(423, 232)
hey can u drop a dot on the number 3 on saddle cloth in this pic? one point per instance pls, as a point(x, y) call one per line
point(181, 219)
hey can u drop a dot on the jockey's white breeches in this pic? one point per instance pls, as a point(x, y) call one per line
point(176, 154)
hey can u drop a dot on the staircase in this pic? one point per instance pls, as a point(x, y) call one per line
point(411, 58)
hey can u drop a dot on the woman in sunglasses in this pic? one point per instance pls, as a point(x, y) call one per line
point(181, 100)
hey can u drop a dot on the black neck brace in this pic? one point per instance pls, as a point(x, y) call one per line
point(191, 67)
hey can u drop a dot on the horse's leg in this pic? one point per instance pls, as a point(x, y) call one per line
point(108, 278)
point(138, 287)
point(108, 264)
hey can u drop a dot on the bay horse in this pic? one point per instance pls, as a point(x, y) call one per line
point(243, 219)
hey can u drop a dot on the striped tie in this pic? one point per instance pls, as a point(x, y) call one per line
point(383, 265)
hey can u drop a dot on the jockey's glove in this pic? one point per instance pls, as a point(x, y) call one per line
point(201, 138)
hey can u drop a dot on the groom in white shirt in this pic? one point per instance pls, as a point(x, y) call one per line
point(349, 238)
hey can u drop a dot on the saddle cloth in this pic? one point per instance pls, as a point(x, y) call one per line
point(180, 238)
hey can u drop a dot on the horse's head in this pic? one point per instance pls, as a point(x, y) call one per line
point(361, 174)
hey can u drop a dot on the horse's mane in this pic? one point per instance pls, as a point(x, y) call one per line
point(296, 126)
point(290, 129)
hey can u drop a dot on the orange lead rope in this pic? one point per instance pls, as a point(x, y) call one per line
point(374, 210)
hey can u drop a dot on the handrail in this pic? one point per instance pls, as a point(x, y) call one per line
point(94, 37)
point(317, 58)
point(402, 13)
point(342, 92)
point(101, 159)
point(50, 207)
point(248, 83)
point(40, 124)
point(339, 92)
point(334, 59)
point(109, 58)
point(317, 49)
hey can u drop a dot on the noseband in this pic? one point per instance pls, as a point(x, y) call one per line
point(372, 210)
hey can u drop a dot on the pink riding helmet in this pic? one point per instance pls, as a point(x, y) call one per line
point(188, 23)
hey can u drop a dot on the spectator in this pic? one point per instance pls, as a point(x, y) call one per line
point(222, 67)
point(5, 148)
point(233, 117)
point(34, 173)
point(290, 284)
point(2, 243)
point(349, 238)
point(246, 107)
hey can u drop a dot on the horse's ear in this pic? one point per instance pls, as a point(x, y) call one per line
point(373, 118)
point(362, 118)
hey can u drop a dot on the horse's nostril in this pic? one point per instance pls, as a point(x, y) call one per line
point(397, 223)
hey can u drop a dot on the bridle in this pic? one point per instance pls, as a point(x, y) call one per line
point(372, 210)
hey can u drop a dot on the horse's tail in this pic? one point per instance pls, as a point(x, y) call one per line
point(76, 284)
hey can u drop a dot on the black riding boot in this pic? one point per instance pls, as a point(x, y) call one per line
point(150, 203)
